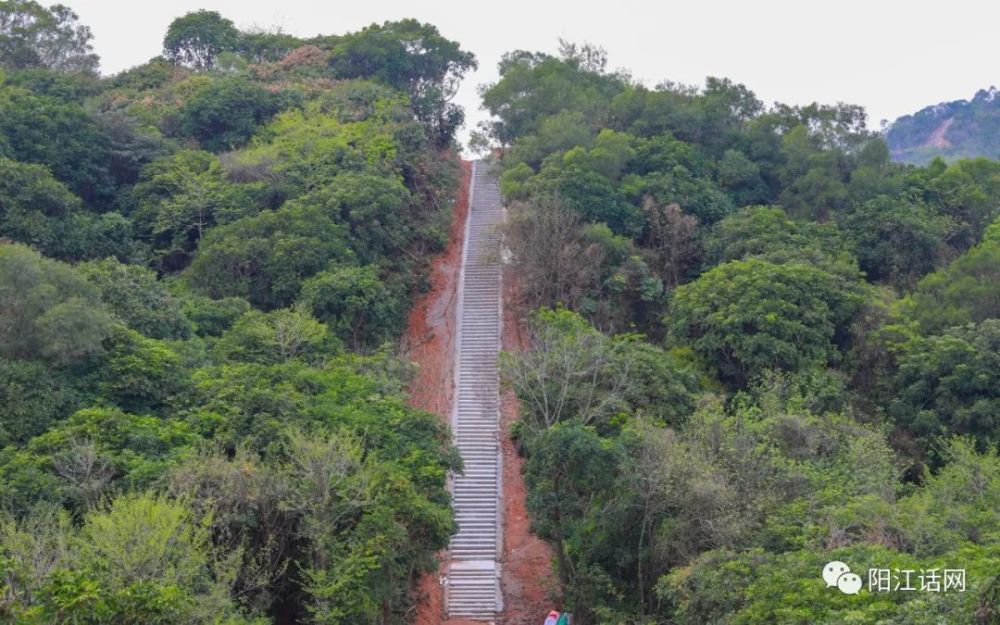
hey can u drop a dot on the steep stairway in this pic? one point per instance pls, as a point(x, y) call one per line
point(473, 580)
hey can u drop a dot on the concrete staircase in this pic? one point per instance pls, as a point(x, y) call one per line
point(473, 581)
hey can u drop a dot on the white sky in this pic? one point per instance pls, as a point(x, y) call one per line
point(891, 56)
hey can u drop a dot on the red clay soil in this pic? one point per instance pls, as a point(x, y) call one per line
point(430, 331)
point(528, 580)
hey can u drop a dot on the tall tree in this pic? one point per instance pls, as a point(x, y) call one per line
point(33, 36)
point(47, 309)
point(414, 58)
point(197, 39)
point(670, 241)
point(746, 317)
point(951, 383)
point(179, 198)
point(226, 113)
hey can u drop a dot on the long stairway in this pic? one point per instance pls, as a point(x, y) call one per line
point(473, 587)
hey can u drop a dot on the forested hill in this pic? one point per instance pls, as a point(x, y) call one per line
point(205, 262)
point(959, 129)
point(772, 348)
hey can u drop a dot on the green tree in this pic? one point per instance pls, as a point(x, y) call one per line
point(38, 210)
point(747, 317)
point(897, 241)
point(567, 467)
point(813, 176)
point(675, 172)
point(33, 36)
point(949, 383)
point(767, 232)
point(740, 176)
point(197, 39)
point(142, 559)
point(87, 235)
point(142, 375)
point(62, 136)
point(967, 191)
point(261, 46)
point(556, 133)
point(93, 454)
point(597, 199)
point(377, 209)
point(266, 258)
point(573, 372)
point(180, 197)
point(306, 149)
point(32, 205)
point(49, 311)
point(134, 295)
point(355, 302)
point(32, 398)
point(226, 113)
point(212, 317)
point(534, 86)
point(965, 291)
point(55, 84)
point(275, 337)
point(415, 59)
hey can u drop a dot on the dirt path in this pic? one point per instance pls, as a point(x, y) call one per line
point(527, 578)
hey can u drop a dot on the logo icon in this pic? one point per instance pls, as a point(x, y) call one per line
point(838, 574)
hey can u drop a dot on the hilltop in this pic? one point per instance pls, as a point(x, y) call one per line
point(959, 129)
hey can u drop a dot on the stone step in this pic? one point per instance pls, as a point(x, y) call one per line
point(473, 591)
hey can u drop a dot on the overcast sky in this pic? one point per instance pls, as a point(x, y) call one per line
point(891, 56)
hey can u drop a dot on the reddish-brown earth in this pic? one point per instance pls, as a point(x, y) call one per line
point(429, 340)
point(527, 579)
point(936, 138)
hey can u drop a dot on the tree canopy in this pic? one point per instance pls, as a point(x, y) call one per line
point(416, 59)
point(197, 39)
point(33, 36)
point(817, 348)
point(205, 265)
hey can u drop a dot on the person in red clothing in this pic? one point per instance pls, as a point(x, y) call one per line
point(552, 618)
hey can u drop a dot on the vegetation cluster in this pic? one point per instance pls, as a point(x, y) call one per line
point(205, 262)
point(759, 346)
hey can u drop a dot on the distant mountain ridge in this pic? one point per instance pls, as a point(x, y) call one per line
point(959, 129)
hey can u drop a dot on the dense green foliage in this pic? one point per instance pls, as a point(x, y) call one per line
point(756, 344)
point(415, 59)
point(198, 38)
point(204, 263)
point(32, 36)
point(816, 374)
point(226, 113)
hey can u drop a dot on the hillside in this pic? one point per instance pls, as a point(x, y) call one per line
point(206, 262)
point(816, 360)
point(959, 129)
point(739, 344)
